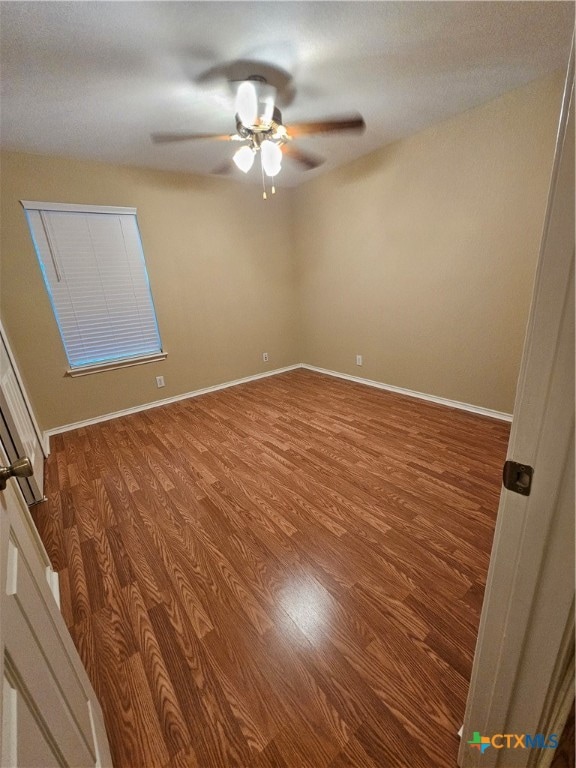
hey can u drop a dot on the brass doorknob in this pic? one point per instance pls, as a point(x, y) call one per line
point(20, 468)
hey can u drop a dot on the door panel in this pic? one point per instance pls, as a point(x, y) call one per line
point(9, 722)
point(50, 712)
point(33, 749)
point(29, 644)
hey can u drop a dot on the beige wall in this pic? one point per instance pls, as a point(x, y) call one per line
point(220, 266)
point(421, 256)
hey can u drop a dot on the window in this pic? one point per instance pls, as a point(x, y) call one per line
point(95, 274)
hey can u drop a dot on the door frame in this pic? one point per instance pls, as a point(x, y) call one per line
point(43, 439)
point(19, 429)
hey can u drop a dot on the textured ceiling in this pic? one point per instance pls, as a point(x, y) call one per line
point(95, 79)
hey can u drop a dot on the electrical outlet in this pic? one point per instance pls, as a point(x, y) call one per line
point(358, 359)
point(160, 381)
point(265, 356)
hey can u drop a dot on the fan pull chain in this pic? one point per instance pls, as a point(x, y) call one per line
point(264, 195)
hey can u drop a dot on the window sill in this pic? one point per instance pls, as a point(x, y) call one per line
point(114, 364)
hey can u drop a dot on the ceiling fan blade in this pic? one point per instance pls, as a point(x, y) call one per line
point(223, 170)
point(167, 138)
point(350, 123)
point(305, 159)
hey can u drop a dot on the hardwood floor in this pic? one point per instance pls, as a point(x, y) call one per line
point(283, 574)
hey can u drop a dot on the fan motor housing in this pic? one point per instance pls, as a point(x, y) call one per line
point(246, 132)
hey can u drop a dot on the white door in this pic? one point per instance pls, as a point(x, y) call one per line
point(50, 714)
point(18, 429)
point(523, 674)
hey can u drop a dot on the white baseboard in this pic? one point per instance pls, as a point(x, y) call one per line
point(156, 403)
point(411, 393)
point(368, 382)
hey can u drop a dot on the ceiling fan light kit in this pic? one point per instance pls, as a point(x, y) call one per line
point(271, 157)
point(258, 122)
point(259, 126)
point(255, 101)
point(244, 158)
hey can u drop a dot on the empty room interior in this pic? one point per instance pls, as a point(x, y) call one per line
point(284, 298)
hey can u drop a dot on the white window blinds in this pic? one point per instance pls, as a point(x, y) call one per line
point(94, 269)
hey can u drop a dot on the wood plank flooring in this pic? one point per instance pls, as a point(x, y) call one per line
point(287, 573)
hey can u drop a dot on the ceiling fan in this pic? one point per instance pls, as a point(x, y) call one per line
point(261, 130)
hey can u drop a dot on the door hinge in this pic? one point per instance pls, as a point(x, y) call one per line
point(517, 477)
